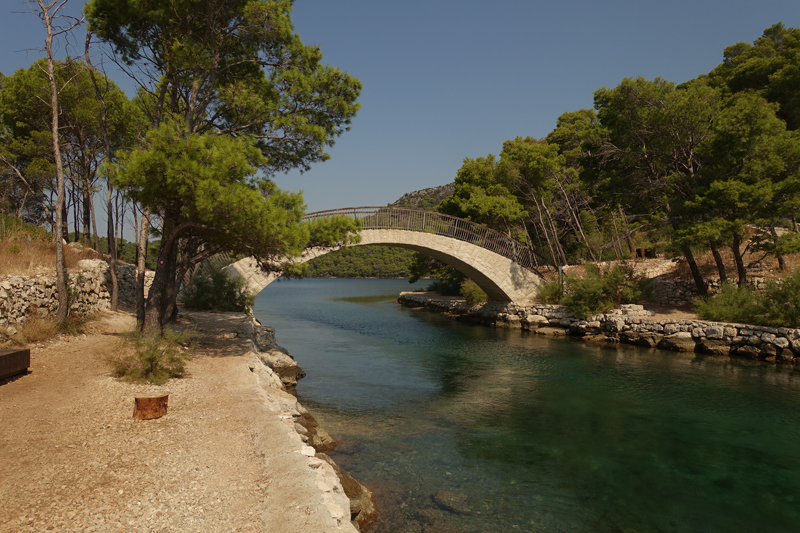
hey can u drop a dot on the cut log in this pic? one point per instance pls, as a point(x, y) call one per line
point(150, 406)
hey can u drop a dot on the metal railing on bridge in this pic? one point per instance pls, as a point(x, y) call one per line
point(437, 224)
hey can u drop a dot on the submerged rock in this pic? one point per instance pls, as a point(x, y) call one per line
point(452, 502)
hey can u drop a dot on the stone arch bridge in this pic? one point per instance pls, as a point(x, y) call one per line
point(504, 268)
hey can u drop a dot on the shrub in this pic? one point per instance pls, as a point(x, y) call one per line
point(472, 293)
point(211, 289)
point(551, 292)
point(782, 301)
point(445, 288)
point(731, 304)
point(154, 360)
point(601, 290)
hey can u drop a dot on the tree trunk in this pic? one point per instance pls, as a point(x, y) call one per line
point(61, 271)
point(739, 258)
point(141, 257)
point(723, 277)
point(112, 243)
point(778, 254)
point(163, 281)
point(86, 192)
point(699, 282)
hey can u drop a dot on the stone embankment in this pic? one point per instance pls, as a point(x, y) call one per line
point(631, 324)
point(279, 374)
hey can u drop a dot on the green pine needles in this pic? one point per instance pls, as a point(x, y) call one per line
point(154, 359)
point(211, 289)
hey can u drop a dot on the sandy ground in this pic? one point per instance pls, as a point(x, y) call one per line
point(221, 460)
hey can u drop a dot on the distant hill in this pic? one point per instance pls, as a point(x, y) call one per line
point(427, 199)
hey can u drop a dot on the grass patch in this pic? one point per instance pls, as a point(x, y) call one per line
point(152, 360)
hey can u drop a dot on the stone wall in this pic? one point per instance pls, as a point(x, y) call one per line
point(683, 292)
point(631, 324)
point(22, 298)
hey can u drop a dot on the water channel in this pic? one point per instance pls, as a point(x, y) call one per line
point(461, 428)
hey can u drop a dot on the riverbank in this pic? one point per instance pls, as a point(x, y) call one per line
point(631, 324)
point(232, 453)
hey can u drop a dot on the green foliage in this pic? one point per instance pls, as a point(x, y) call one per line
point(211, 289)
point(448, 279)
point(782, 301)
point(551, 292)
point(601, 289)
point(731, 304)
point(362, 262)
point(472, 293)
point(14, 249)
point(778, 306)
point(154, 359)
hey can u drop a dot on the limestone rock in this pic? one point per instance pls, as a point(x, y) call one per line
point(284, 366)
point(646, 340)
point(317, 437)
point(363, 511)
point(678, 342)
point(713, 347)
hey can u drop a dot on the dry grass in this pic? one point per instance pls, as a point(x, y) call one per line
point(19, 258)
point(766, 267)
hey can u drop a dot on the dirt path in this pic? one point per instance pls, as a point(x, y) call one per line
point(73, 459)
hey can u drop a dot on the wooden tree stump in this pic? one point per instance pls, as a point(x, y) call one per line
point(150, 406)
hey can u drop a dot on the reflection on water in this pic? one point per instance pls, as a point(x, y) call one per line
point(465, 428)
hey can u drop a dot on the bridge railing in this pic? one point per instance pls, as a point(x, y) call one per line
point(437, 224)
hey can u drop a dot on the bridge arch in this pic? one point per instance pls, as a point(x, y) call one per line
point(504, 268)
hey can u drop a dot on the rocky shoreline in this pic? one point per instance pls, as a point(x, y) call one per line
point(280, 372)
point(631, 324)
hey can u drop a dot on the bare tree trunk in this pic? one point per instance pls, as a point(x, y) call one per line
point(738, 257)
point(699, 282)
point(110, 233)
point(61, 271)
point(778, 254)
point(95, 238)
point(141, 257)
point(723, 277)
point(86, 204)
point(631, 247)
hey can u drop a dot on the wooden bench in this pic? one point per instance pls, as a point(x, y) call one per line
point(13, 362)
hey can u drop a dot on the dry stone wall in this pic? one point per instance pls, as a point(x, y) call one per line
point(22, 298)
point(631, 324)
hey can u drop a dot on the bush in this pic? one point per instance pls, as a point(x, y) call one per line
point(212, 290)
point(601, 290)
point(782, 301)
point(551, 292)
point(731, 304)
point(472, 293)
point(778, 306)
point(154, 360)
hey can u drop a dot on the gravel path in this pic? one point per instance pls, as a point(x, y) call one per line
point(223, 459)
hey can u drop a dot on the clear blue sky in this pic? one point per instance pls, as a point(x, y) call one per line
point(444, 80)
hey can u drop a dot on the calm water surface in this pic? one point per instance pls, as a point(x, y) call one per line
point(536, 434)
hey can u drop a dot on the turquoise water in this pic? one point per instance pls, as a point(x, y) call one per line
point(536, 434)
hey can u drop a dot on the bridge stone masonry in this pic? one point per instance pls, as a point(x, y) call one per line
point(504, 268)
